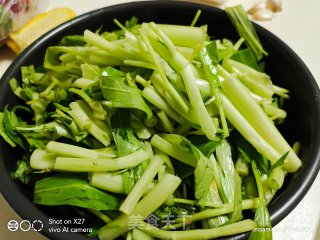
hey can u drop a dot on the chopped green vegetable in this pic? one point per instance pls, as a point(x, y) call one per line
point(153, 131)
point(66, 189)
point(262, 217)
point(120, 93)
point(245, 28)
point(123, 134)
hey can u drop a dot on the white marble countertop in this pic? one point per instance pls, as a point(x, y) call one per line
point(299, 26)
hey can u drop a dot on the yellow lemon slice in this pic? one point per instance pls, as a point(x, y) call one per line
point(37, 26)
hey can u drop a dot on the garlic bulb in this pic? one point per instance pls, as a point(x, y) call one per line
point(256, 7)
point(274, 5)
point(263, 14)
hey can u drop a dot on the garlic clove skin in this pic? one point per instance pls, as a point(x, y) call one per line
point(263, 14)
point(274, 5)
point(256, 7)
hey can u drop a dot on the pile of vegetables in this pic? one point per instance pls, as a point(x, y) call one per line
point(154, 122)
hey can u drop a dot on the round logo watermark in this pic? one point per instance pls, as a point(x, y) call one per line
point(25, 225)
point(37, 225)
point(13, 225)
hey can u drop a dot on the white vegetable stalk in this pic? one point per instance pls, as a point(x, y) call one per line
point(139, 235)
point(152, 201)
point(184, 36)
point(75, 151)
point(83, 116)
point(104, 44)
point(239, 95)
point(153, 97)
point(173, 150)
point(95, 165)
point(248, 132)
point(108, 181)
point(139, 188)
point(41, 160)
point(227, 230)
point(183, 66)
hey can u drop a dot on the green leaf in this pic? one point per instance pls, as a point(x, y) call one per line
point(126, 143)
point(209, 59)
point(132, 22)
point(207, 147)
point(249, 153)
point(3, 133)
point(123, 135)
point(90, 71)
point(203, 172)
point(67, 189)
point(18, 90)
point(203, 178)
point(225, 49)
point(278, 163)
point(249, 187)
point(246, 57)
point(38, 135)
point(28, 74)
point(38, 140)
point(116, 89)
point(237, 206)
point(131, 177)
point(9, 123)
point(52, 61)
point(74, 132)
point(24, 171)
point(227, 172)
point(72, 40)
point(246, 30)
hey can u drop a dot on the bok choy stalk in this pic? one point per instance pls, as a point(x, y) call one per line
point(207, 178)
point(245, 28)
point(234, 228)
point(167, 85)
point(262, 217)
point(154, 199)
point(173, 150)
point(109, 181)
point(139, 235)
point(140, 186)
point(93, 165)
point(234, 90)
point(213, 212)
point(209, 59)
point(126, 143)
point(83, 116)
point(230, 180)
point(166, 50)
point(244, 127)
point(114, 182)
point(42, 160)
point(75, 151)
